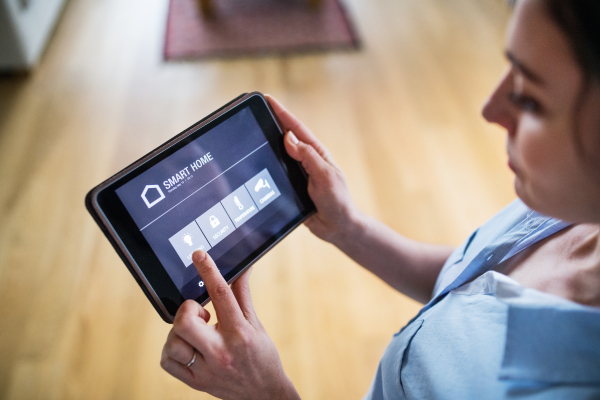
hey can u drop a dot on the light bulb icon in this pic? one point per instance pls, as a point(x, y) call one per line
point(187, 238)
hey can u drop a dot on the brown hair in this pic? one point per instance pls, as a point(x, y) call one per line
point(580, 22)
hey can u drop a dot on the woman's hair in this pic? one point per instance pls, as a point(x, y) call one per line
point(580, 21)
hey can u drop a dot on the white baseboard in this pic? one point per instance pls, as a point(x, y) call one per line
point(25, 27)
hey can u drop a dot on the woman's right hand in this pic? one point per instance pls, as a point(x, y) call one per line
point(336, 212)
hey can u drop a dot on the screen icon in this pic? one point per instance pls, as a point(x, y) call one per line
point(152, 191)
point(238, 203)
point(215, 224)
point(262, 188)
point(188, 240)
point(239, 206)
point(262, 183)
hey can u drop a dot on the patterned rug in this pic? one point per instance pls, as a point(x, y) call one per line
point(256, 27)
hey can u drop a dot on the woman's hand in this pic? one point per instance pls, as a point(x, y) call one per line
point(408, 266)
point(336, 212)
point(234, 359)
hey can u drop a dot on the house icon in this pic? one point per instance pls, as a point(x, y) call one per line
point(154, 191)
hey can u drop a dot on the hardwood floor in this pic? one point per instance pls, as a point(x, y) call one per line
point(401, 117)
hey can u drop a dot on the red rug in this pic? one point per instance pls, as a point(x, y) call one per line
point(256, 27)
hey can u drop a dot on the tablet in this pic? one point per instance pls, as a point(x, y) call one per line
point(225, 185)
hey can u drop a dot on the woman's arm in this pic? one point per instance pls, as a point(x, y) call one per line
point(408, 266)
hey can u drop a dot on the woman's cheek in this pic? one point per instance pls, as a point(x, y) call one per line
point(549, 162)
point(533, 149)
point(538, 157)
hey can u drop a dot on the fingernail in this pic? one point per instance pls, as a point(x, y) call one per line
point(292, 138)
point(199, 256)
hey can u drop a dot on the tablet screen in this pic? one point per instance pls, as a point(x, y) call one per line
point(225, 192)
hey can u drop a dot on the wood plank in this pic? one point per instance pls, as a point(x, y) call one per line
point(401, 117)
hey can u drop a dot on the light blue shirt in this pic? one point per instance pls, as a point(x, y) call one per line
point(484, 336)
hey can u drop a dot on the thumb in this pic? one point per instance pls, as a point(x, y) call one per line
point(314, 164)
point(241, 291)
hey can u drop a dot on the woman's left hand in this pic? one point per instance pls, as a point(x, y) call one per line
point(235, 358)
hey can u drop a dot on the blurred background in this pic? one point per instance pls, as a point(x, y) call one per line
point(93, 92)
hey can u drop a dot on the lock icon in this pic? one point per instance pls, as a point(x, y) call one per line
point(214, 222)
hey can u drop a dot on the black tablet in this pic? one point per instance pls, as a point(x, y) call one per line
point(225, 185)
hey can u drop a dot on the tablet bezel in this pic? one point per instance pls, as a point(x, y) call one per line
point(126, 237)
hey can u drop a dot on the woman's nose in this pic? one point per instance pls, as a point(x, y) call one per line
point(498, 109)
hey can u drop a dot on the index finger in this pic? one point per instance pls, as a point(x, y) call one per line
point(292, 123)
point(229, 313)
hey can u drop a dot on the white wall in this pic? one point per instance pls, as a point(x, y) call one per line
point(25, 26)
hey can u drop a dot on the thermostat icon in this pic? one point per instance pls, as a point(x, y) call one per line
point(153, 189)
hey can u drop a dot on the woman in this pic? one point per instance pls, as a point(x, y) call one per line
point(511, 313)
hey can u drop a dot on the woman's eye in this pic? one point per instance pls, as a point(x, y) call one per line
point(524, 103)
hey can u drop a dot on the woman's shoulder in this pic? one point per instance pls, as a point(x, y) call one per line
point(493, 338)
point(552, 345)
point(494, 228)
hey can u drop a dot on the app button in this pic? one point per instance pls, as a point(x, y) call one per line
point(262, 189)
point(215, 224)
point(239, 206)
point(188, 240)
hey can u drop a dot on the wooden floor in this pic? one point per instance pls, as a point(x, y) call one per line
point(401, 117)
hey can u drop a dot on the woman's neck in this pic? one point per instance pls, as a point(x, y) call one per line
point(566, 264)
